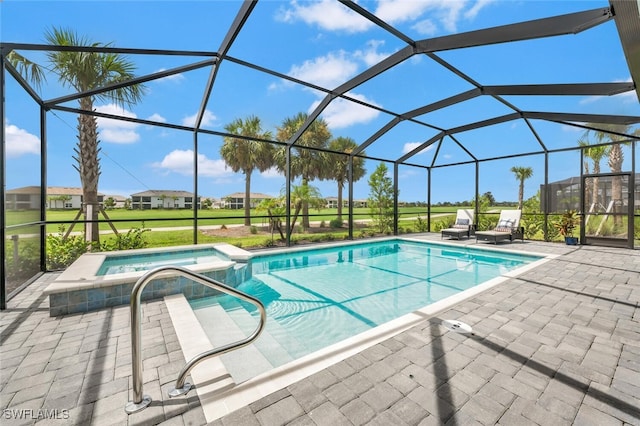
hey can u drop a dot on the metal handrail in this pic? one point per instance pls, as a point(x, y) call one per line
point(141, 401)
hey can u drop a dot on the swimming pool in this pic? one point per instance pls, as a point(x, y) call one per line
point(315, 298)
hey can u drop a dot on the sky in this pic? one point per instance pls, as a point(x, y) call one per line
point(324, 43)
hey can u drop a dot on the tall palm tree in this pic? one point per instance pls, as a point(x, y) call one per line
point(247, 155)
point(339, 166)
point(522, 174)
point(616, 157)
point(308, 164)
point(83, 71)
point(596, 154)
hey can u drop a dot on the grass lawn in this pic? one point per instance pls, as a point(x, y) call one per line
point(163, 218)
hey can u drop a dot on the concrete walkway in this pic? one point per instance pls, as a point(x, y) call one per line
point(560, 344)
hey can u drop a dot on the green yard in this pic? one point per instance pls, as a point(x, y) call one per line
point(169, 218)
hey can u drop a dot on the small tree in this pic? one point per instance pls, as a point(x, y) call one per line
point(381, 199)
point(110, 203)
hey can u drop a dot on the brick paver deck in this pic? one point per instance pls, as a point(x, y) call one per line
point(560, 344)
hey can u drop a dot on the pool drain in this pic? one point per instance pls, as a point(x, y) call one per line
point(457, 326)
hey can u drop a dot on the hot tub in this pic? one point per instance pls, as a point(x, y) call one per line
point(105, 279)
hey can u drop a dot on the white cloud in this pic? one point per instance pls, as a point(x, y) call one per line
point(20, 142)
point(157, 117)
point(181, 162)
point(328, 71)
point(342, 113)
point(174, 78)
point(117, 131)
point(475, 9)
point(370, 55)
point(410, 146)
point(326, 14)
point(208, 119)
point(425, 27)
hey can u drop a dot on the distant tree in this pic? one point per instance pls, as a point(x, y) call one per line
point(247, 154)
point(522, 174)
point(490, 198)
point(381, 197)
point(127, 203)
point(339, 166)
point(84, 71)
point(109, 203)
point(206, 203)
point(308, 164)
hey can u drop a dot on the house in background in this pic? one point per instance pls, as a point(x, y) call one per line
point(162, 199)
point(236, 200)
point(332, 202)
point(58, 197)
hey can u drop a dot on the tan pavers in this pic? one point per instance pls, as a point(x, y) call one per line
point(557, 345)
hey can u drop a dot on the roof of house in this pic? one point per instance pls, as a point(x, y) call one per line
point(161, 192)
point(51, 190)
point(252, 195)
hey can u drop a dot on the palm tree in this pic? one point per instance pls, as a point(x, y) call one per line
point(302, 195)
point(339, 166)
point(616, 157)
point(85, 71)
point(522, 174)
point(309, 164)
point(596, 154)
point(246, 154)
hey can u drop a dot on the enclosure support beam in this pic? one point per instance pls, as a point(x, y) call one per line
point(43, 189)
point(547, 196)
point(3, 176)
point(396, 218)
point(350, 177)
point(429, 199)
point(572, 23)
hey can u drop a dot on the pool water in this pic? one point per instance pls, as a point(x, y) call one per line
point(120, 264)
point(318, 297)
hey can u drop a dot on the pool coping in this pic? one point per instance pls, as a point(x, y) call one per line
point(220, 396)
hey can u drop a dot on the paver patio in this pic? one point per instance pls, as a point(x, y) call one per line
point(559, 344)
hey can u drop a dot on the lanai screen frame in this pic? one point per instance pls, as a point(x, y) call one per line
point(625, 14)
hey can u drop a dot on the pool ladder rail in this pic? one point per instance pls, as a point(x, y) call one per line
point(141, 401)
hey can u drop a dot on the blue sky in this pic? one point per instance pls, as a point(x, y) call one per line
point(323, 43)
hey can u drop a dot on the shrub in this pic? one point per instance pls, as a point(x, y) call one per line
point(62, 252)
point(421, 225)
point(133, 239)
point(253, 229)
point(336, 223)
point(322, 224)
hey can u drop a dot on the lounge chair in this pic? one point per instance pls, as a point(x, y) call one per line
point(508, 228)
point(462, 226)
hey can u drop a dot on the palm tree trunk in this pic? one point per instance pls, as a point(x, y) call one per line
point(247, 198)
point(89, 168)
point(520, 194)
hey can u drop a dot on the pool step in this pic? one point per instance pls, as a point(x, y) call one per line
point(283, 339)
point(243, 363)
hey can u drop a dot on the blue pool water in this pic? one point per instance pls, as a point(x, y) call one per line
point(318, 297)
point(142, 262)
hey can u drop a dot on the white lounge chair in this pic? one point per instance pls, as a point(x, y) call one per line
point(462, 226)
point(508, 228)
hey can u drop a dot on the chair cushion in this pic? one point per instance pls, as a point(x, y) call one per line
point(461, 224)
